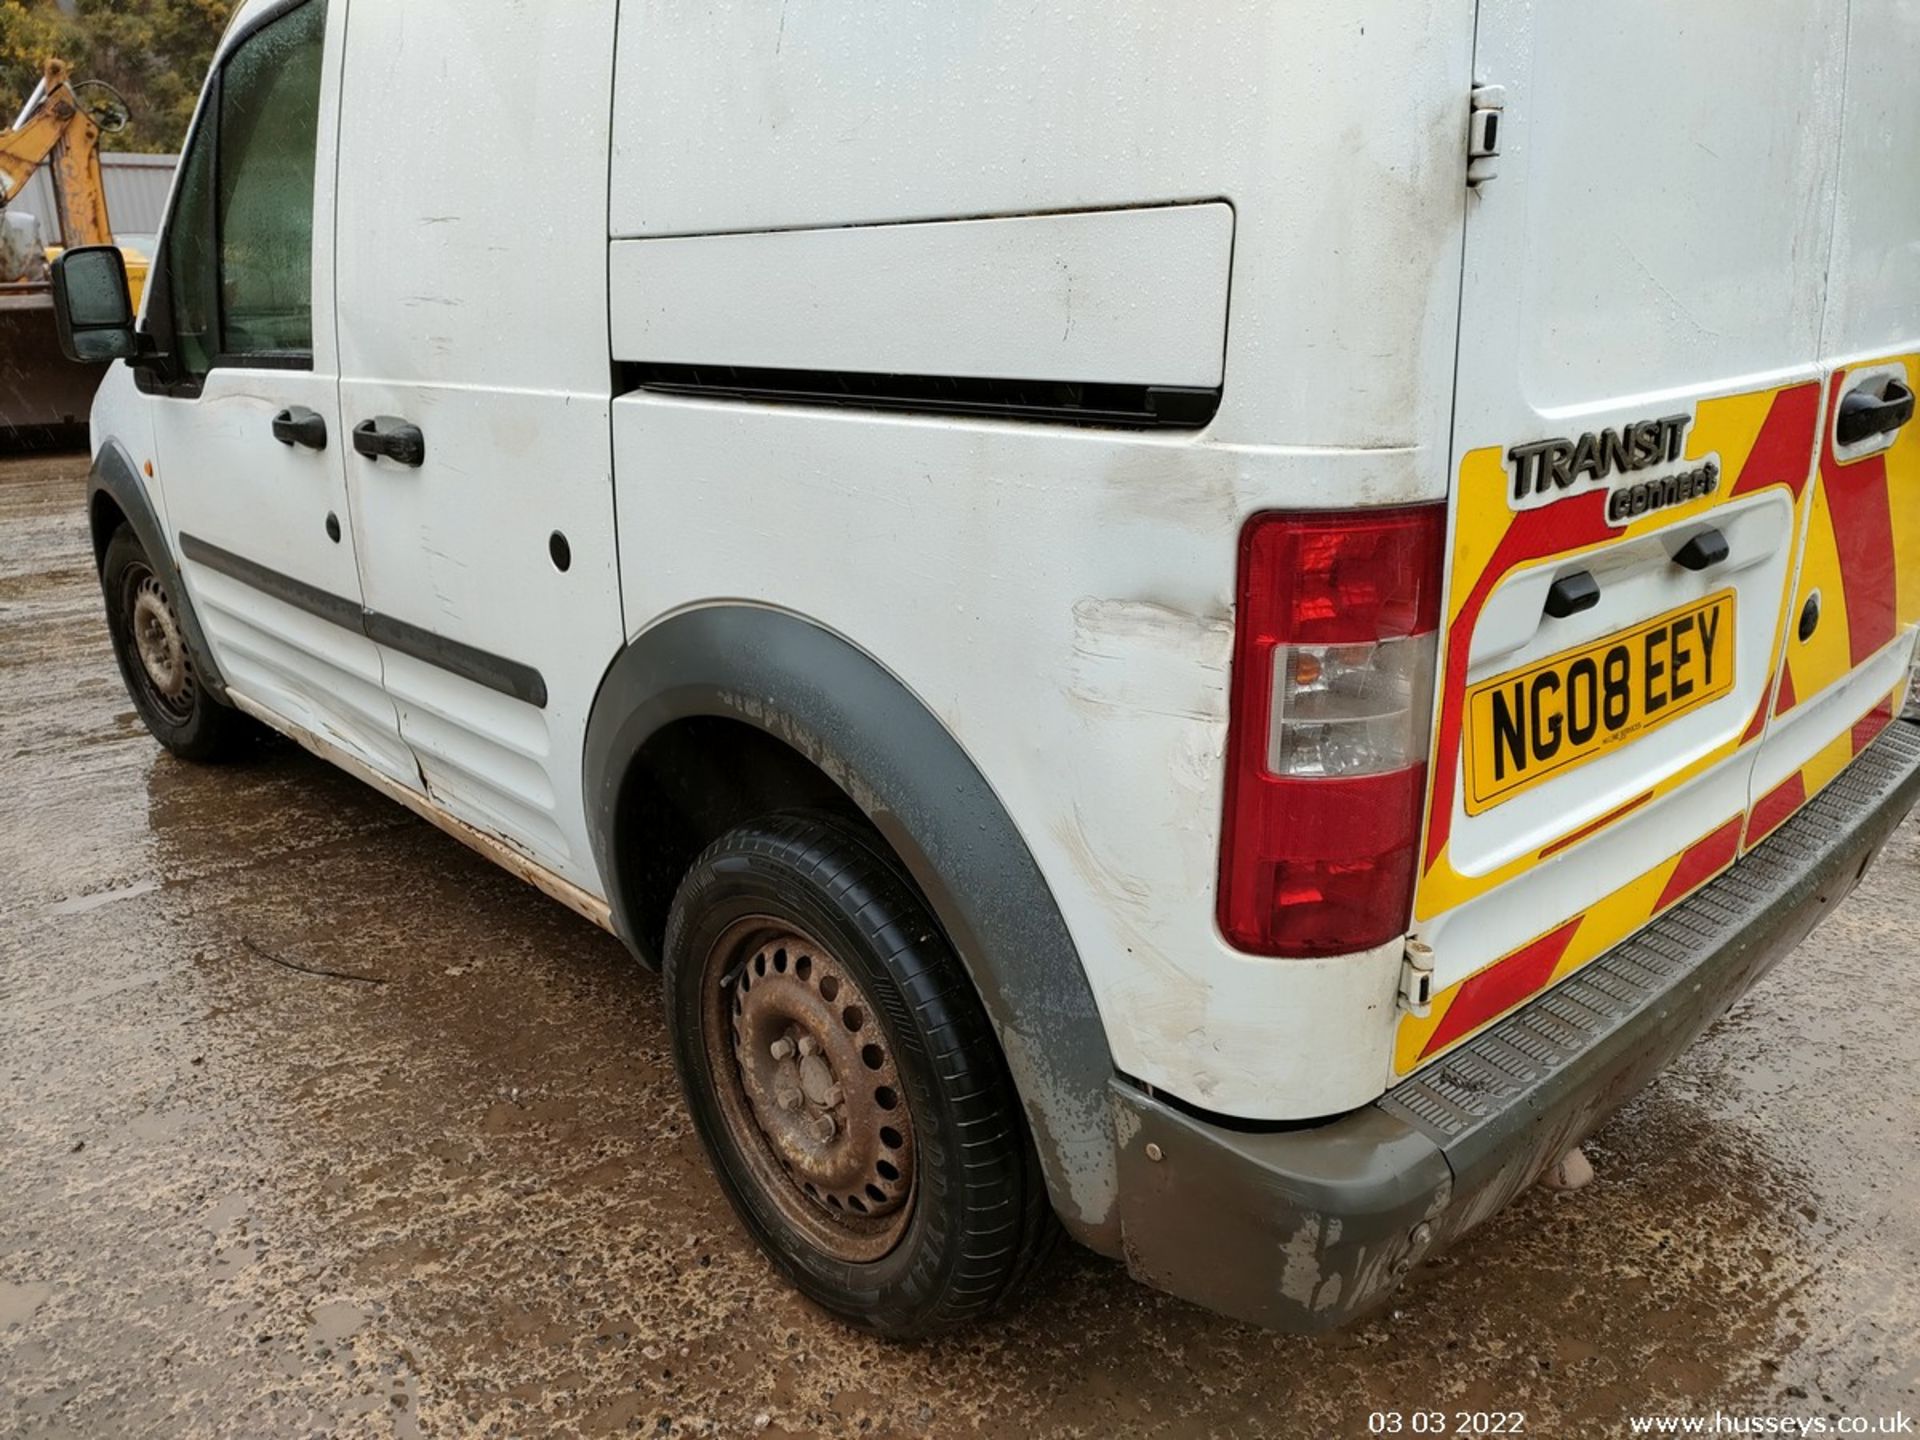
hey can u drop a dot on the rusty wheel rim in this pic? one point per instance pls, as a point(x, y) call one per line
point(166, 671)
point(809, 1088)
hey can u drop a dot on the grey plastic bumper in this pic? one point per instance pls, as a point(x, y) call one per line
point(1304, 1228)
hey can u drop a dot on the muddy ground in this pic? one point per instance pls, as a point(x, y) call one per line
point(458, 1194)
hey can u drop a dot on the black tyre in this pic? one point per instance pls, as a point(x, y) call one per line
point(843, 1076)
point(155, 662)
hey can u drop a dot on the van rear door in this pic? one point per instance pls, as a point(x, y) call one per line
point(1859, 583)
point(1639, 395)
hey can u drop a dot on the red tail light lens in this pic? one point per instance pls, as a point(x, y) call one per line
point(1336, 633)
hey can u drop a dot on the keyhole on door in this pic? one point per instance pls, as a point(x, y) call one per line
point(1810, 617)
point(333, 527)
point(561, 552)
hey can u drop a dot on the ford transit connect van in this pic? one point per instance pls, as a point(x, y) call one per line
point(1216, 627)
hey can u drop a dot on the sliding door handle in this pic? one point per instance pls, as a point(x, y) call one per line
point(1864, 414)
point(390, 438)
point(297, 425)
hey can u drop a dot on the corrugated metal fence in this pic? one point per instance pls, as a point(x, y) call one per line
point(137, 188)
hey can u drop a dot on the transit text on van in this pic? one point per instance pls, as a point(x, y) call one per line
point(1561, 462)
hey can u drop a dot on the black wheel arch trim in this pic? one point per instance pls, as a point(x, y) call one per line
point(115, 476)
point(850, 717)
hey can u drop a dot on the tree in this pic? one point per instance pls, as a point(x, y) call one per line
point(154, 52)
point(28, 35)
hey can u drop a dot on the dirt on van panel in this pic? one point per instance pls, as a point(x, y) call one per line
point(314, 1122)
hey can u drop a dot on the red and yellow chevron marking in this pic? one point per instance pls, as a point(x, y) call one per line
point(1862, 554)
point(1487, 994)
point(1779, 803)
point(1765, 438)
point(1861, 551)
point(1774, 807)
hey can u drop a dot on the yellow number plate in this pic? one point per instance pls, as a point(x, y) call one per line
point(1532, 724)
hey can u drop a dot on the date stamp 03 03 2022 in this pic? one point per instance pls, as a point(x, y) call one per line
point(1719, 1422)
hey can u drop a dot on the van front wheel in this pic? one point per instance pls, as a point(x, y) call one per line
point(845, 1082)
point(151, 647)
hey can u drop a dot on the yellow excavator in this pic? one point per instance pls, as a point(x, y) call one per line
point(59, 127)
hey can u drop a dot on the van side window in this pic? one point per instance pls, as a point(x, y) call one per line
point(190, 257)
point(269, 117)
point(240, 242)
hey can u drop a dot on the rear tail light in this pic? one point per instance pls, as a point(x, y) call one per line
point(1336, 633)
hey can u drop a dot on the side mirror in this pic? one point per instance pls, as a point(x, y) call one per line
point(92, 304)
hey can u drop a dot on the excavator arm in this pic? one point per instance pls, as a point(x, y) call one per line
point(56, 128)
point(41, 391)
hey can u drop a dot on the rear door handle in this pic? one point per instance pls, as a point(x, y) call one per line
point(389, 437)
point(297, 425)
point(1864, 415)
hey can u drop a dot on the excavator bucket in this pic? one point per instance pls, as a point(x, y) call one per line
point(44, 397)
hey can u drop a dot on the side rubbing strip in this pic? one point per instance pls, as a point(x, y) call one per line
point(495, 672)
point(297, 593)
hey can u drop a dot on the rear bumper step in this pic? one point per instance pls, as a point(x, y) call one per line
point(1302, 1229)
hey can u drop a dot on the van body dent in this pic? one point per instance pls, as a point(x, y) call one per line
point(1345, 575)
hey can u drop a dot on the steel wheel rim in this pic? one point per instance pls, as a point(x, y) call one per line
point(162, 664)
point(823, 1126)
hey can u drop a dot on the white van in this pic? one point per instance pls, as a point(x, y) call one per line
point(1226, 622)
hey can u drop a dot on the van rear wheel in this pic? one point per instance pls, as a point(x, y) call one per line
point(845, 1082)
point(150, 645)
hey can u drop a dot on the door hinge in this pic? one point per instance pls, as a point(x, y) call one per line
point(1485, 115)
point(1416, 979)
